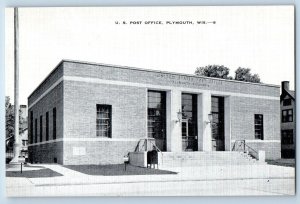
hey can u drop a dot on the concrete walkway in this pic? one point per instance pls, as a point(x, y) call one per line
point(71, 177)
point(247, 177)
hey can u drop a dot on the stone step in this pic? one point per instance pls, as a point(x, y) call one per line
point(171, 159)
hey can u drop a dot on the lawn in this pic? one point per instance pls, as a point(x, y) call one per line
point(41, 173)
point(282, 162)
point(116, 170)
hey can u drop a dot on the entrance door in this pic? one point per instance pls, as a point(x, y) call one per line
point(189, 142)
point(217, 125)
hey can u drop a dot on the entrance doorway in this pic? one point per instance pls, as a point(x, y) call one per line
point(217, 126)
point(189, 142)
point(157, 118)
point(189, 122)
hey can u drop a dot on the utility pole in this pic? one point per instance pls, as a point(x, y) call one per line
point(16, 87)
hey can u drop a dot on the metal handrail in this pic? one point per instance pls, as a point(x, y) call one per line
point(245, 148)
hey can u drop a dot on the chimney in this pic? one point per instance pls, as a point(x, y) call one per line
point(285, 85)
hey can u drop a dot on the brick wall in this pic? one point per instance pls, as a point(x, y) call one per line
point(54, 99)
point(129, 114)
point(97, 152)
point(162, 78)
point(76, 102)
point(242, 123)
point(242, 118)
point(46, 153)
point(55, 74)
point(129, 109)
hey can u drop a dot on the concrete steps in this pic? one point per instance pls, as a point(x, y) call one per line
point(215, 158)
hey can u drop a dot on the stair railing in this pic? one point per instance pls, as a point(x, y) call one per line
point(240, 145)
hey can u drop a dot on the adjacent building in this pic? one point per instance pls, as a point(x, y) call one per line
point(88, 113)
point(288, 121)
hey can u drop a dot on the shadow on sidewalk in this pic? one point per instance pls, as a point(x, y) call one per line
point(41, 173)
point(116, 170)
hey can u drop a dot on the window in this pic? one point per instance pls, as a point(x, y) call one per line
point(189, 112)
point(41, 128)
point(157, 114)
point(287, 115)
point(217, 126)
point(287, 102)
point(54, 124)
point(47, 126)
point(287, 137)
point(35, 130)
point(103, 121)
point(31, 127)
point(259, 126)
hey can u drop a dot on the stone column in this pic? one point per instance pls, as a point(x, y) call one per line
point(204, 128)
point(174, 138)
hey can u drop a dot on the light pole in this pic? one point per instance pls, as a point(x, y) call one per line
point(16, 87)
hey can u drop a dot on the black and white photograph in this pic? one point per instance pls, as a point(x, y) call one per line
point(150, 101)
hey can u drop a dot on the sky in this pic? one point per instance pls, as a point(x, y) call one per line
point(259, 38)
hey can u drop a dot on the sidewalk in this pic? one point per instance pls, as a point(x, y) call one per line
point(237, 172)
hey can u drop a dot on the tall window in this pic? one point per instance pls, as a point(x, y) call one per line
point(47, 126)
point(156, 114)
point(189, 112)
point(287, 102)
point(54, 124)
point(287, 137)
point(259, 126)
point(31, 127)
point(287, 115)
point(103, 121)
point(35, 130)
point(41, 128)
point(218, 123)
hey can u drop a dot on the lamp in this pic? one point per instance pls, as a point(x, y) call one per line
point(179, 116)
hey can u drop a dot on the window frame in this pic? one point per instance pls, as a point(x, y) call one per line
point(35, 130)
point(261, 125)
point(284, 102)
point(41, 128)
point(108, 133)
point(54, 117)
point(156, 116)
point(47, 126)
point(285, 118)
point(291, 133)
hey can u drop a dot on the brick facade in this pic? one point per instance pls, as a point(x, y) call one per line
point(75, 88)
